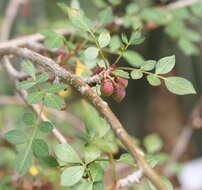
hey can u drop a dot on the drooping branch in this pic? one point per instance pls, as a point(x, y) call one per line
point(101, 106)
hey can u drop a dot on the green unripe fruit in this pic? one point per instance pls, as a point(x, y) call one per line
point(107, 87)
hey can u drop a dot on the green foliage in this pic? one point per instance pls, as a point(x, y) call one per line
point(70, 176)
point(66, 153)
point(92, 44)
point(28, 68)
point(45, 126)
point(53, 40)
point(16, 136)
point(153, 143)
point(179, 85)
point(91, 53)
point(104, 39)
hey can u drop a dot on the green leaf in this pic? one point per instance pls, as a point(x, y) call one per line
point(115, 43)
point(98, 186)
point(70, 176)
point(97, 172)
point(92, 152)
point(83, 185)
point(91, 53)
point(180, 86)
point(136, 38)
point(148, 65)
point(42, 78)
point(136, 74)
point(153, 143)
point(16, 136)
point(29, 118)
point(66, 153)
point(156, 15)
point(94, 123)
point(153, 80)
point(78, 19)
point(53, 39)
point(53, 101)
point(75, 4)
point(124, 38)
point(133, 58)
point(49, 161)
point(52, 88)
point(165, 65)
point(152, 160)
point(26, 84)
point(40, 148)
point(45, 126)
point(132, 8)
point(106, 16)
point(188, 47)
point(122, 73)
point(23, 160)
point(35, 97)
point(104, 39)
point(126, 158)
point(28, 68)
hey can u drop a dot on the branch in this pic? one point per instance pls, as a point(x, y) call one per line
point(35, 108)
point(31, 38)
point(11, 12)
point(101, 106)
point(194, 122)
point(130, 179)
point(181, 4)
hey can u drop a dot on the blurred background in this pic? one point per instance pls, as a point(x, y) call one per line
point(146, 109)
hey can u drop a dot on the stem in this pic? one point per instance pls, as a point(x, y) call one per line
point(145, 72)
point(113, 168)
point(100, 49)
point(120, 56)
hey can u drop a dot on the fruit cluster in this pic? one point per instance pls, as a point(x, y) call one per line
point(115, 87)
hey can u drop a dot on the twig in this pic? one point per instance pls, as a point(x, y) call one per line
point(194, 121)
point(130, 179)
point(10, 14)
point(180, 4)
point(31, 38)
point(35, 108)
point(101, 106)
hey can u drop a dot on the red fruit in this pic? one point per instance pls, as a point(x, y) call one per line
point(107, 87)
point(122, 81)
point(119, 93)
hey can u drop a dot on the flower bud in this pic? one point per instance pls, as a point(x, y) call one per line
point(107, 87)
point(119, 93)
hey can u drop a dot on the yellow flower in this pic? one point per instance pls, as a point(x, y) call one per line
point(80, 68)
point(33, 171)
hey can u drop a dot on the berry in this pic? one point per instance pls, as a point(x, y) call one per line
point(107, 87)
point(119, 93)
point(122, 81)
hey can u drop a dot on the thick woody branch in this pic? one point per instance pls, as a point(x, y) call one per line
point(102, 107)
